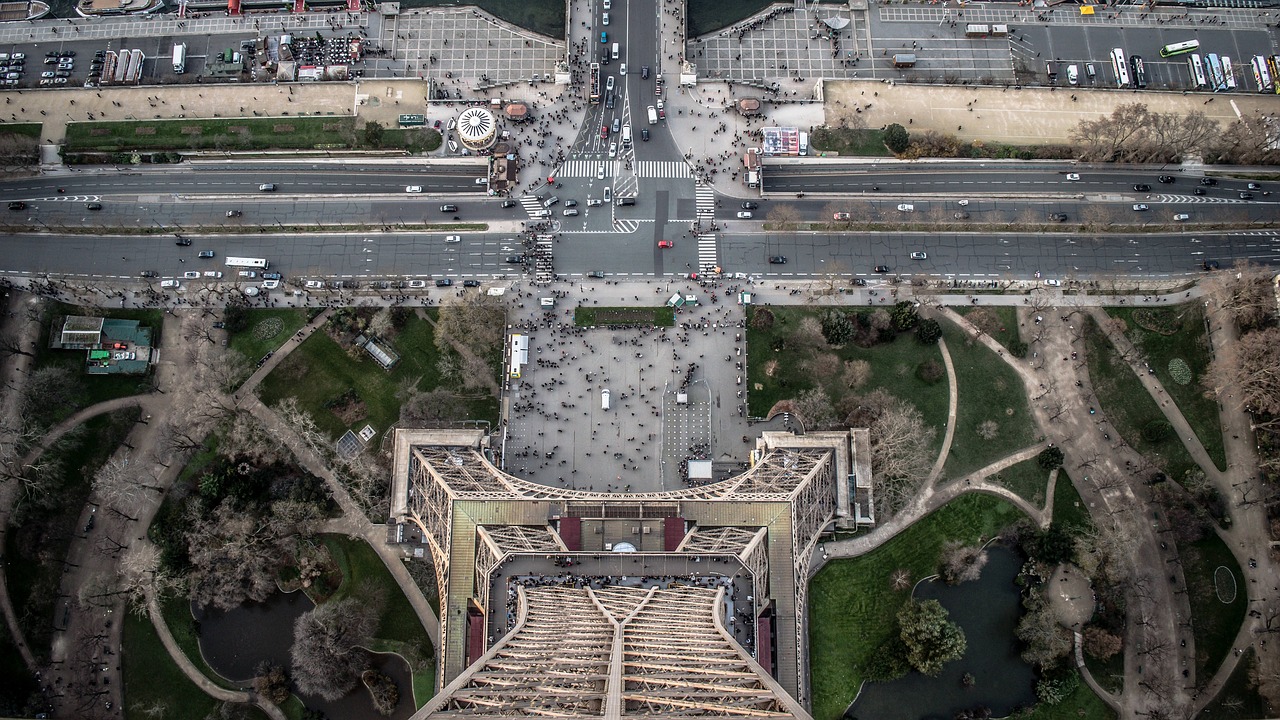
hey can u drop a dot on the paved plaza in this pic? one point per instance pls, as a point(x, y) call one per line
point(781, 43)
point(468, 48)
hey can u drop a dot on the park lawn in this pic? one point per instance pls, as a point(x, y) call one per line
point(663, 316)
point(546, 18)
point(1239, 698)
point(31, 130)
point(152, 679)
point(989, 391)
point(1079, 705)
point(893, 368)
point(1027, 480)
point(1007, 333)
point(257, 340)
point(183, 627)
point(212, 133)
point(399, 628)
point(853, 142)
point(1069, 510)
point(319, 371)
point(1213, 623)
point(1128, 406)
point(1189, 343)
point(851, 604)
point(1108, 673)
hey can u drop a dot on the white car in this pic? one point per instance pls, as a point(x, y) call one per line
point(191, 274)
point(1140, 208)
point(608, 4)
point(270, 284)
point(1182, 217)
point(600, 172)
point(452, 238)
point(482, 181)
point(1073, 176)
point(247, 274)
point(1053, 283)
point(744, 215)
point(622, 70)
point(919, 256)
point(215, 274)
point(964, 203)
point(417, 284)
point(906, 207)
point(606, 19)
point(314, 284)
point(413, 188)
point(608, 194)
point(613, 149)
point(169, 283)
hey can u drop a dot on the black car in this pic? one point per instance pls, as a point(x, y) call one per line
point(644, 72)
point(748, 205)
point(219, 325)
point(17, 205)
point(777, 259)
point(509, 203)
point(882, 268)
point(182, 241)
point(470, 283)
point(515, 259)
point(1058, 217)
point(272, 276)
point(1255, 186)
point(1200, 191)
point(644, 134)
point(1208, 181)
point(94, 206)
point(1246, 195)
point(446, 282)
point(448, 208)
point(859, 282)
point(595, 274)
point(149, 273)
point(1166, 178)
point(1210, 265)
point(1141, 187)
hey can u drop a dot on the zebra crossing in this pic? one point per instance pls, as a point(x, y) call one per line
point(531, 205)
point(587, 169)
point(663, 169)
point(625, 226)
point(705, 200)
point(708, 258)
point(543, 260)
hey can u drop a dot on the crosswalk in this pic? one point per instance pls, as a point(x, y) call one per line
point(587, 168)
point(625, 226)
point(705, 199)
point(544, 260)
point(708, 258)
point(531, 205)
point(662, 169)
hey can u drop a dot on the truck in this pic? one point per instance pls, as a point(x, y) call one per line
point(179, 58)
point(595, 84)
point(653, 115)
point(904, 60)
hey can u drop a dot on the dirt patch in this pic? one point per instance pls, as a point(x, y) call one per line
point(349, 408)
point(192, 130)
point(144, 131)
point(282, 128)
point(770, 368)
point(99, 132)
point(334, 127)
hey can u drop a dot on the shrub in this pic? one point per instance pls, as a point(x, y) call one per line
point(896, 138)
point(904, 316)
point(930, 371)
point(928, 331)
point(1055, 688)
point(1179, 371)
point(1156, 431)
point(1018, 349)
point(761, 318)
point(837, 328)
point(1050, 458)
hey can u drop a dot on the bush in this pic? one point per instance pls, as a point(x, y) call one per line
point(1157, 431)
point(930, 371)
point(928, 331)
point(837, 328)
point(896, 138)
point(1050, 458)
point(904, 316)
point(1055, 688)
point(1179, 371)
point(236, 318)
point(1018, 349)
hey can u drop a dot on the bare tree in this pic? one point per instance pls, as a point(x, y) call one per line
point(327, 657)
point(1248, 366)
point(1244, 293)
point(120, 485)
point(784, 217)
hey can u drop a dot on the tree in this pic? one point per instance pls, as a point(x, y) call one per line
point(233, 558)
point(50, 391)
point(1101, 644)
point(373, 134)
point(855, 374)
point(931, 638)
point(929, 331)
point(809, 334)
point(271, 682)
point(327, 659)
point(837, 328)
point(1045, 639)
point(1245, 293)
point(1050, 458)
point(962, 563)
point(784, 217)
point(896, 138)
point(1248, 366)
point(815, 410)
point(901, 443)
point(904, 316)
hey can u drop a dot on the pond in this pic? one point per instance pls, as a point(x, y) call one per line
point(234, 641)
point(988, 609)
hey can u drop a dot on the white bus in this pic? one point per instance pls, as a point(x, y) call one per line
point(1261, 74)
point(1228, 74)
point(1197, 71)
point(246, 262)
point(1120, 67)
point(1213, 72)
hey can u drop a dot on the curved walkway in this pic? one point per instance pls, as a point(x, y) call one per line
point(953, 400)
point(78, 418)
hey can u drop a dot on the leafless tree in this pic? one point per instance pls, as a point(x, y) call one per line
point(121, 485)
point(1248, 366)
point(1244, 292)
point(783, 217)
point(327, 657)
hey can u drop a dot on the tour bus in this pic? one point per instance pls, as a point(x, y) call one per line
point(1273, 67)
point(1228, 74)
point(1261, 75)
point(1139, 71)
point(1213, 72)
point(1197, 71)
point(246, 262)
point(1180, 48)
point(1120, 67)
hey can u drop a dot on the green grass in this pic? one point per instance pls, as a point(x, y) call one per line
point(1005, 330)
point(1190, 344)
point(593, 316)
point(319, 371)
point(288, 132)
point(1079, 705)
point(414, 140)
point(893, 368)
point(1069, 510)
point(990, 391)
point(151, 678)
point(1108, 673)
point(1213, 623)
point(851, 604)
point(850, 142)
point(27, 129)
point(1239, 698)
point(1128, 406)
point(177, 615)
point(1027, 480)
point(248, 343)
point(546, 18)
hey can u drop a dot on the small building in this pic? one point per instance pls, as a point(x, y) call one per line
point(518, 112)
point(749, 106)
point(380, 352)
point(112, 346)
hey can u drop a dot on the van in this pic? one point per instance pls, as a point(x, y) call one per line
point(615, 51)
point(1090, 71)
point(1073, 75)
point(626, 135)
point(604, 399)
point(624, 201)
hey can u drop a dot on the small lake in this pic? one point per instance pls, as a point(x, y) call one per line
point(988, 609)
point(234, 641)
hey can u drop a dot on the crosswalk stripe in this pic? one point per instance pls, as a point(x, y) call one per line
point(544, 262)
point(585, 168)
point(705, 199)
point(707, 255)
point(662, 169)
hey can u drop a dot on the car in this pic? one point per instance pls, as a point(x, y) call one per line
point(1200, 191)
point(1166, 179)
point(644, 134)
point(190, 275)
point(1208, 181)
point(571, 203)
point(67, 53)
point(604, 20)
point(666, 244)
point(1246, 195)
point(840, 216)
point(169, 283)
point(1073, 176)
point(550, 201)
point(644, 72)
point(17, 205)
point(962, 203)
point(917, 255)
point(608, 4)
point(617, 126)
point(1210, 265)
point(270, 284)
point(570, 212)
point(93, 206)
point(744, 215)
point(206, 254)
point(777, 259)
point(470, 283)
point(1140, 207)
point(608, 194)
point(613, 149)
point(267, 187)
point(882, 268)
point(1053, 283)
point(906, 207)
point(482, 181)
point(748, 205)
point(314, 284)
point(182, 241)
point(46, 74)
point(594, 202)
point(219, 325)
point(509, 203)
point(1255, 186)
point(604, 36)
point(148, 273)
point(448, 208)
point(416, 284)
point(452, 238)
point(234, 213)
point(247, 274)
point(962, 215)
point(1182, 217)
point(623, 69)
point(604, 132)
point(600, 172)
point(596, 274)
point(18, 56)
point(514, 259)
point(60, 73)
point(413, 188)
point(859, 282)
point(1141, 187)
point(444, 282)
point(272, 276)
point(1057, 217)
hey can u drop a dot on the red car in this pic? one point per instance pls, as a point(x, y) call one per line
point(604, 132)
point(666, 244)
point(842, 216)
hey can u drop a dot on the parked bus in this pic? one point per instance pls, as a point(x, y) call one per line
point(1120, 67)
point(1197, 71)
point(1213, 72)
point(1228, 73)
point(1273, 67)
point(1180, 48)
point(245, 262)
point(1139, 71)
point(1261, 75)
point(977, 30)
